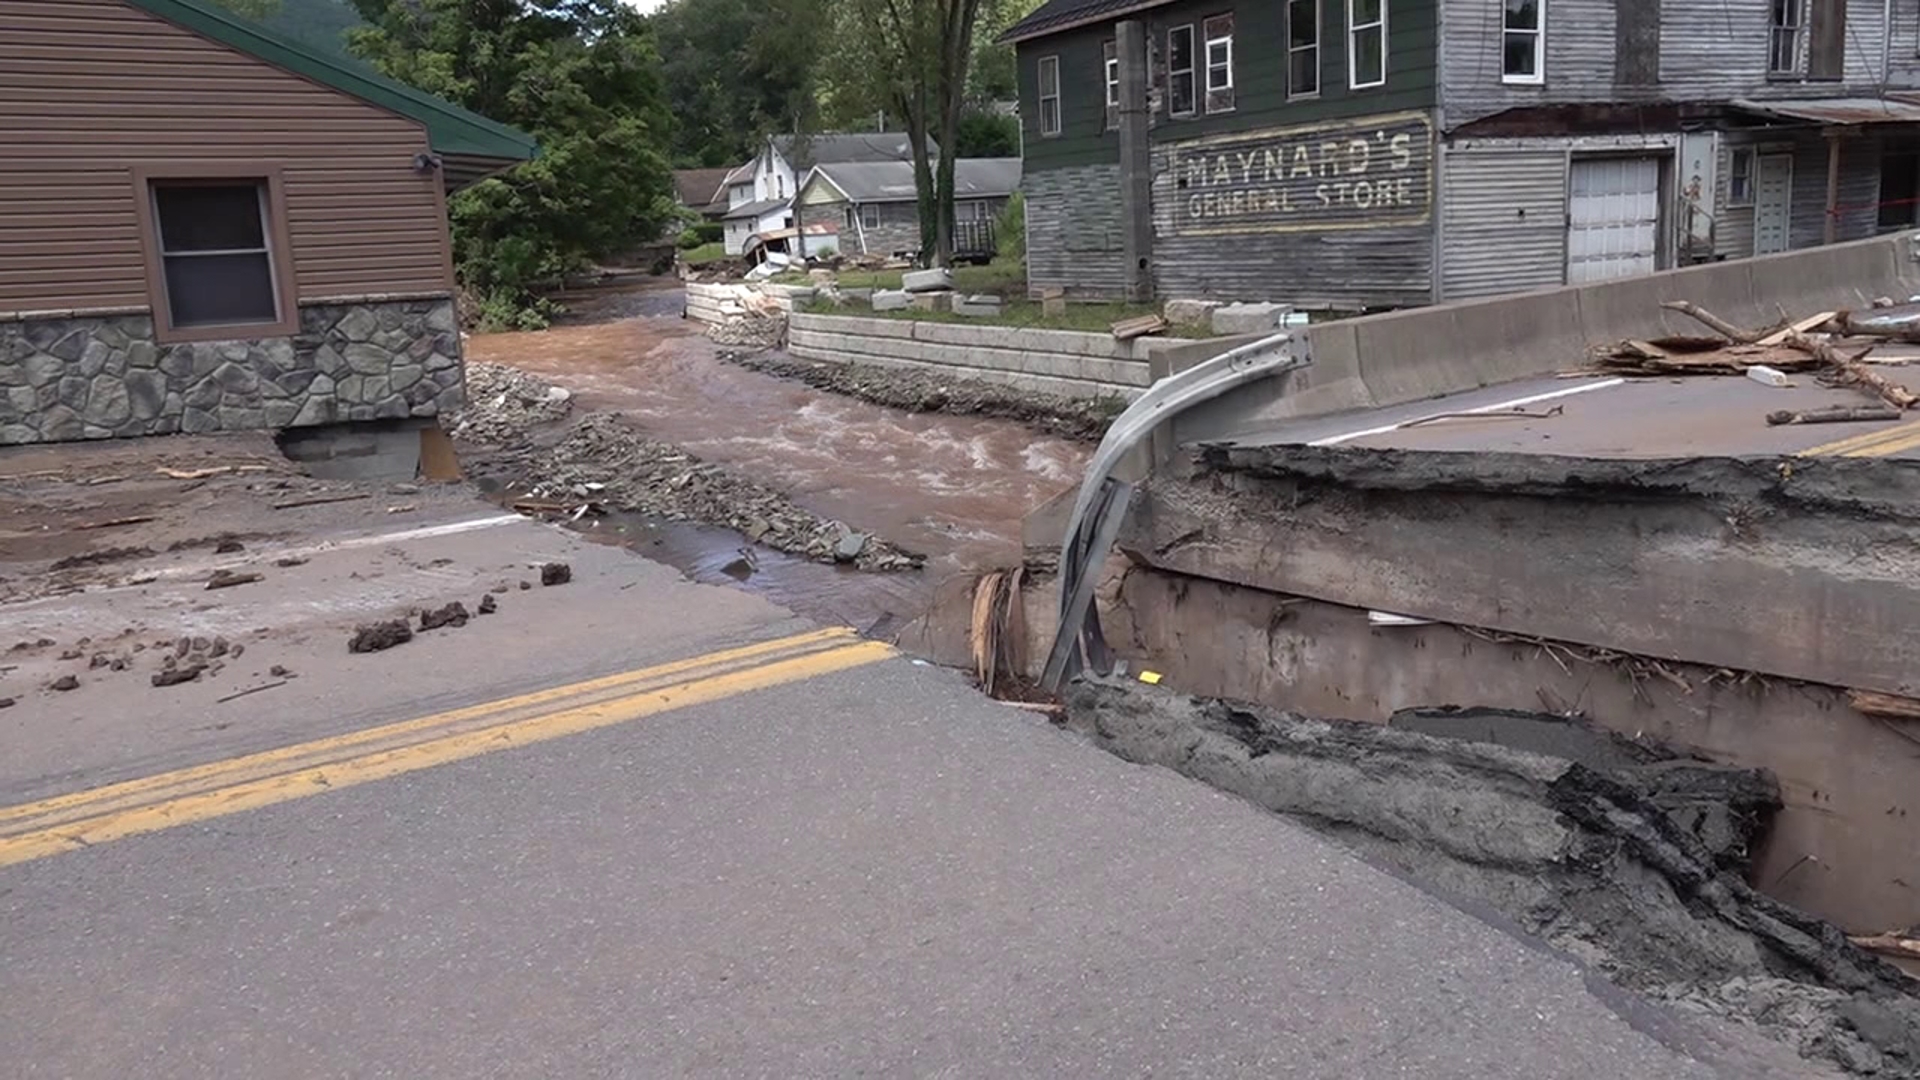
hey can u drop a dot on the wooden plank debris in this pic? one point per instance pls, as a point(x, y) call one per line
point(1835, 414)
point(1799, 326)
point(114, 523)
point(1849, 371)
point(1141, 326)
point(1887, 706)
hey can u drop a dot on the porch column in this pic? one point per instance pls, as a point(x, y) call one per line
point(1136, 164)
point(1833, 186)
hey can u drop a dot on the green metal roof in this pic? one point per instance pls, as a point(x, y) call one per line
point(451, 130)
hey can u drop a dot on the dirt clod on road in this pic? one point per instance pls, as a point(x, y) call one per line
point(374, 637)
point(453, 614)
point(556, 573)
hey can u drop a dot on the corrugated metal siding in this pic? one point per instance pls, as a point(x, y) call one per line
point(1504, 221)
point(1073, 230)
point(89, 88)
point(1579, 66)
point(1719, 51)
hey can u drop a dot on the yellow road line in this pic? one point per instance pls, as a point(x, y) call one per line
point(313, 780)
point(1880, 443)
point(285, 757)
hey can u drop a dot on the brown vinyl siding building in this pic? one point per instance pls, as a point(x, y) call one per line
point(205, 226)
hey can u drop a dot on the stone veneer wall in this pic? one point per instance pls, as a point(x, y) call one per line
point(101, 375)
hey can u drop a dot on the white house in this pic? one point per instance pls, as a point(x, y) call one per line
point(760, 193)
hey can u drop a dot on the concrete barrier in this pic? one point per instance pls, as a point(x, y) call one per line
point(1421, 353)
point(1051, 361)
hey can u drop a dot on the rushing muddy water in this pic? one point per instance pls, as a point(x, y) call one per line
point(953, 487)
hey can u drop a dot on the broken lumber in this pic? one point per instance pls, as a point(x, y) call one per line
point(1907, 948)
point(319, 500)
point(202, 474)
point(1801, 326)
point(1849, 371)
point(1719, 325)
point(1834, 414)
point(113, 523)
point(1128, 329)
point(1899, 322)
point(1886, 706)
point(227, 579)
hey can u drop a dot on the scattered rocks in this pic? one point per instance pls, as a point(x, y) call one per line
point(65, 683)
point(556, 573)
point(99, 661)
point(174, 676)
point(918, 391)
point(218, 647)
point(499, 588)
point(6, 703)
point(280, 671)
point(228, 547)
point(504, 404)
point(71, 654)
point(488, 605)
point(226, 579)
point(453, 614)
point(373, 637)
point(289, 561)
point(664, 481)
point(236, 650)
point(101, 557)
point(525, 585)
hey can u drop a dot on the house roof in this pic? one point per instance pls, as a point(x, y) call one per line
point(753, 209)
point(470, 145)
point(699, 188)
point(805, 151)
point(892, 181)
point(1056, 15)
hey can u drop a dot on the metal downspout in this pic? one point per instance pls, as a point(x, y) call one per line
point(1091, 529)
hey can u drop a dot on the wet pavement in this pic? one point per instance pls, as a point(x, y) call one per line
point(952, 487)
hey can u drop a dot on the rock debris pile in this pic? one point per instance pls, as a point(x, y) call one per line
point(606, 459)
point(504, 403)
point(1632, 861)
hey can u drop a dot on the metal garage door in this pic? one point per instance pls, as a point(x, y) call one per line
point(1613, 218)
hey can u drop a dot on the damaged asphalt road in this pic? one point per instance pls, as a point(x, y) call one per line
point(1627, 858)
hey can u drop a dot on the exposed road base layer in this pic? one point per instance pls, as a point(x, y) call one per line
point(1607, 861)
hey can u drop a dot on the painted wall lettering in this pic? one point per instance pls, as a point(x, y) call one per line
point(1366, 173)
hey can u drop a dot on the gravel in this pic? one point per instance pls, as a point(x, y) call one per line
point(1084, 420)
point(504, 404)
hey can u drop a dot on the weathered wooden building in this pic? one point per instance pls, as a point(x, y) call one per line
point(205, 226)
point(1350, 154)
point(876, 205)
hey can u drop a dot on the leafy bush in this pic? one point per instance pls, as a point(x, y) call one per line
point(1010, 232)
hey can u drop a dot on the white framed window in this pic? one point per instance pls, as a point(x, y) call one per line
point(1303, 48)
point(1219, 31)
point(1786, 36)
point(1740, 177)
point(1366, 43)
point(869, 215)
point(1523, 42)
point(1181, 100)
point(1111, 64)
point(1049, 79)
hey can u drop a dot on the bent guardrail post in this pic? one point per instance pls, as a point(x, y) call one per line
point(1092, 529)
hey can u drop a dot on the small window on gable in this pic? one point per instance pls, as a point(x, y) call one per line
point(1180, 71)
point(1524, 42)
point(1366, 43)
point(1049, 79)
point(1303, 48)
point(1219, 29)
point(1740, 178)
point(1111, 65)
point(213, 241)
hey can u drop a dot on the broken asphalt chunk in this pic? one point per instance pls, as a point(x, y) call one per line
point(453, 614)
point(556, 573)
point(373, 637)
point(178, 675)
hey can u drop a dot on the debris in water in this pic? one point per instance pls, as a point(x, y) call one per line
point(373, 637)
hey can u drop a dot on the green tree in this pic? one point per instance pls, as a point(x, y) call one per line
point(737, 70)
point(582, 76)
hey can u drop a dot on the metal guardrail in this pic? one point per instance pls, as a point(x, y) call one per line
point(1101, 506)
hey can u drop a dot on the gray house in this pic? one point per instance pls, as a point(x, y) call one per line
point(1381, 153)
point(874, 203)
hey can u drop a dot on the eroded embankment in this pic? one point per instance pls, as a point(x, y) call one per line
point(1624, 856)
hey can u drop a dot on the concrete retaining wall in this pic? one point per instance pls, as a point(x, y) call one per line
point(705, 300)
point(1051, 361)
point(1421, 353)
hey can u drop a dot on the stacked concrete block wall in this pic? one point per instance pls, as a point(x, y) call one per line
point(714, 302)
point(71, 375)
point(1405, 356)
point(1048, 361)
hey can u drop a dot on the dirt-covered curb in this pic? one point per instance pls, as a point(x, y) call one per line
point(1630, 861)
point(602, 459)
point(915, 391)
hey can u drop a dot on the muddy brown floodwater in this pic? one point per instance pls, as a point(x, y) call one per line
point(953, 487)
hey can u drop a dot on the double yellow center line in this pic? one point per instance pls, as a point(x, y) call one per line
point(68, 822)
point(1885, 442)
